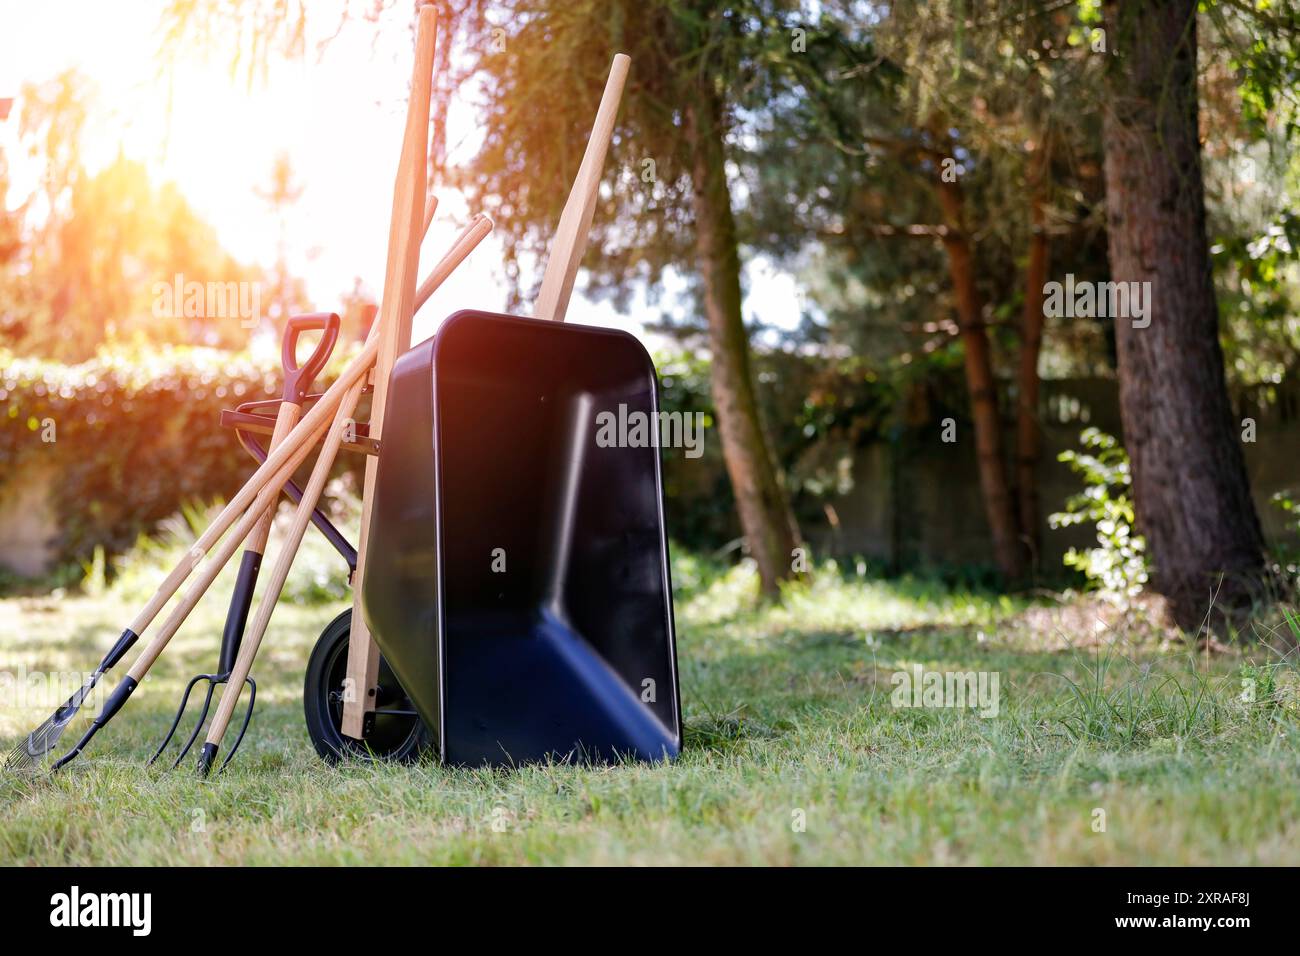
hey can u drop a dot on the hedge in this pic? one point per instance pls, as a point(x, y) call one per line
point(129, 435)
point(137, 435)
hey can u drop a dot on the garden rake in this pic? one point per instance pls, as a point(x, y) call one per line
point(41, 742)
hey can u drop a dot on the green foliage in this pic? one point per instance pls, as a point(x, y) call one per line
point(1288, 501)
point(817, 412)
point(1118, 564)
point(126, 438)
point(94, 577)
point(1256, 258)
point(137, 438)
point(1259, 41)
point(1259, 683)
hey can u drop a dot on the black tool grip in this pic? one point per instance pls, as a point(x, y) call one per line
point(111, 706)
point(123, 645)
point(298, 379)
point(241, 599)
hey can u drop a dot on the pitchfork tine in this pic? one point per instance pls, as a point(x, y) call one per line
point(198, 724)
point(176, 721)
point(252, 697)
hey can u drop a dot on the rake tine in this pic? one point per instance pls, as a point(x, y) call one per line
point(176, 721)
point(42, 741)
point(198, 725)
point(248, 716)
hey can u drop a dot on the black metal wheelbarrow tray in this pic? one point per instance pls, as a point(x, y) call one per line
point(519, 583)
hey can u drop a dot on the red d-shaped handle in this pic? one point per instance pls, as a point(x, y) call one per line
point(298, 379)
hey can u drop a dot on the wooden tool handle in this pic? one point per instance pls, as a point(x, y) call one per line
point(363, 655)
point(286, 416)
point(255, 524)
point(473, 233)
point(575, 221)
point(396, 311)
point(430, 207)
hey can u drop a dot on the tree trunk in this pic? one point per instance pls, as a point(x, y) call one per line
point(765, 516)
point(1190, 489)
point(1031, 340)
point(981, 386)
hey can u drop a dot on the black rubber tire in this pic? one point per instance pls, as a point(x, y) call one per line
point(395, 738)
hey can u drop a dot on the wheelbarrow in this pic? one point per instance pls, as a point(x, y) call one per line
point(519, 583)
point(517, 579)
point(514, 569)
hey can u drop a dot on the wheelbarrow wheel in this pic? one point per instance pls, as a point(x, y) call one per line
point(396, 733)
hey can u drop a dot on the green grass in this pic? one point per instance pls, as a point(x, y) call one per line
point(787, 709)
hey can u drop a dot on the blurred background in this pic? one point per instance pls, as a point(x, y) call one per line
point(833, 224)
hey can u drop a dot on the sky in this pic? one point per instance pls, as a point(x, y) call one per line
point(339, 115)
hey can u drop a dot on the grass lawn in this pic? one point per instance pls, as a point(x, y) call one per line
point(789, 717)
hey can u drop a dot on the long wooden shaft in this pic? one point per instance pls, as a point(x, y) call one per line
point(396, 312)
point(575, 221)
point(363, 655)
point(286, 416)
point(473, 233)
point(430, 207)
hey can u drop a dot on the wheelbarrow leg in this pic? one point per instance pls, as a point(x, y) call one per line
point(363, 673)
